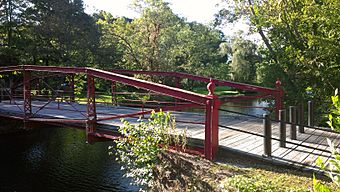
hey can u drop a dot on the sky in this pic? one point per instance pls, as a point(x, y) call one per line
point(201, 11)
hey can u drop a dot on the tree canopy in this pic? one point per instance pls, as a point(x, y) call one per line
point(301, 42)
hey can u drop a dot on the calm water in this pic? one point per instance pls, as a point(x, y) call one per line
point(245, 107)
point(57, 159)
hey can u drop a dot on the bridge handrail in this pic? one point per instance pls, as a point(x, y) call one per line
point(236, 85)
point(155, 87)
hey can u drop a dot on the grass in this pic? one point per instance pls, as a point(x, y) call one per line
point(183, 172)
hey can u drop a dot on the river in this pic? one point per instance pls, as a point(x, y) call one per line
point(57, 159)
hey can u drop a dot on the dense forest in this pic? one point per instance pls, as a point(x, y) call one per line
point(300, 41)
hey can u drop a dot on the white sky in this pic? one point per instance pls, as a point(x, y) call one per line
point(194, 10)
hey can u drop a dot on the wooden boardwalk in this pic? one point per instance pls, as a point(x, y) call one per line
point(237, 133)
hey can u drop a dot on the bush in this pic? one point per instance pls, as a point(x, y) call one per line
point(334, 116)
point(139, 150)
point(332, 167)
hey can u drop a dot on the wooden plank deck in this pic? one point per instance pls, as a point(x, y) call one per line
point(230, 137)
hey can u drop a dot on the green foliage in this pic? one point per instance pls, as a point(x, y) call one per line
point(319, 187)
point(300, 42)
point(139, 150)
point(161, 40)
point(332, 166)
point(254, 184)
point(244, 59)
point(334, 116)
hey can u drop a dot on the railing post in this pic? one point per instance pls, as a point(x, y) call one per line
point(278, 98)
point(91, 109)
point(310, 113)
point(215, 121)
point(27, 94)
point(211, 123)
point(267, 135)
point(113, 93)
point(292, 121)
point(301, 118)
point(282, 125)
point(72, 97)
point(208, 126)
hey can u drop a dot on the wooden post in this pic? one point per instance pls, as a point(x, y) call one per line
point(267, 135)
point(292, 121)
point(310, 113)
point(301, 119)
point(282, 125)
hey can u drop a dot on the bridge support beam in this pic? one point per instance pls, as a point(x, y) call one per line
point(91, 110)
point(211, 124)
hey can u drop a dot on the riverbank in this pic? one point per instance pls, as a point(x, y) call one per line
point(183, 172)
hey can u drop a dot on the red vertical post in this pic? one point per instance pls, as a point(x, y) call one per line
point(211, 123)
point(91, 109)
point(27, 94)
point(278, 99)
point(215, 120)
point(72, 98)
point(113, 93)
point(208, 126)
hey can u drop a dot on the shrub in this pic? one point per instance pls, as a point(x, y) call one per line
point(139, 150)
point(334, 116)
point(332, 167)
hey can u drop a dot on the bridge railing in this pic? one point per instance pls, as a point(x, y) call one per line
point(209, 102)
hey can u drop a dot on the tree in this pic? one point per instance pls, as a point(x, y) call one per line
point(244, 59)
point(160, 40)
point(61, 32)
point(11, 28)
point(301, 42)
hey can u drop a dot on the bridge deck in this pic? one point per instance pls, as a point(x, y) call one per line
point(241, 135)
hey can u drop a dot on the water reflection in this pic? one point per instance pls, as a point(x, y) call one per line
point(58, 159)
point(251, 107)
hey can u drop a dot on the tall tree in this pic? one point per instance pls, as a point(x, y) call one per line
point(301, 39)
point(11, 28)
point(160, 40)
point(244, 60)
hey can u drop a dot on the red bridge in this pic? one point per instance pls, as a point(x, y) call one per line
point(27, 95)
point(31, 106)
